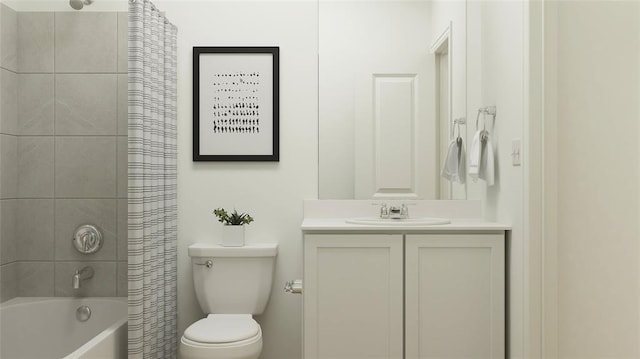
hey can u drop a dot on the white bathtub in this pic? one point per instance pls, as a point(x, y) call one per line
point(38, 328)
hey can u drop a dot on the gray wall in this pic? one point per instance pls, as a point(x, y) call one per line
point(64, 150)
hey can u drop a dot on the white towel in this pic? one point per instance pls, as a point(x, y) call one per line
point(487, 170)
point(455, 164)
point(481, 159)
point(475, 155)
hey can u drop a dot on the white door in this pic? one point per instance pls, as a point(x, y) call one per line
point(395, 135)
point(444, 120)
point(455, 296)
point(353, 296)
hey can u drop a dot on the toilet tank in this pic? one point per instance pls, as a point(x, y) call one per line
point(238, 279)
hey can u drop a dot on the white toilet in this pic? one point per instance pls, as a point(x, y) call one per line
point(232, 284)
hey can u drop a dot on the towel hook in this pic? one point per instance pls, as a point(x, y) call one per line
point(458, 138)
point(489, 110)
point(456, 124)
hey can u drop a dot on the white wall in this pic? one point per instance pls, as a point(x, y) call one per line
point(442, 15)
point(271, 192)
point(495, 77)
point(356, 39)
point(596, 55)
point(454, 13)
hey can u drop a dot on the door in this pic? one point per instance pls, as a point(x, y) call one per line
point(353, 303)
point(455, 296)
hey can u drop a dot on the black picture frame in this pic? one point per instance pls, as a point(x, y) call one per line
point(236, 104)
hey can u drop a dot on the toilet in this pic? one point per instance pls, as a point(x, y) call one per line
point(231, 284)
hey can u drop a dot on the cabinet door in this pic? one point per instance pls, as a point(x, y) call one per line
point(353, 296)
point(454, 296)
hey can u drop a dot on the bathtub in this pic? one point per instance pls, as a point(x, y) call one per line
point(37, 328)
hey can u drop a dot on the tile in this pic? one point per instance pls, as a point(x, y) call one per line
point(123, 230)
point(85, 167)
point(35, 279)
point(35, 104)
point(34, 229)
point(122, 285)
point(8, 102)
point(72, 213)
point(123, 109)
point(123, 38)
point(8, 241)
point(8, 38)
point(35, 166)
point(86, 104)
point(8, 281)
point(8, 166)
point(121, 166)
point(103, 283)
point(35, 42)
point(80, 50)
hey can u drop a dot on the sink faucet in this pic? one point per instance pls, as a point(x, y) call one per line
point(394, 212)
point(82, 274)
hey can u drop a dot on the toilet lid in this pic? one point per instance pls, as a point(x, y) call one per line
point(222, 328)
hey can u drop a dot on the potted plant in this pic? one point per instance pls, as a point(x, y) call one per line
point(233, 229)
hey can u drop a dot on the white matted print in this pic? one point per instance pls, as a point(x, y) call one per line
point(235, 104)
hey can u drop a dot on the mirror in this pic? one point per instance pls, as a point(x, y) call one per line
point(392, 80)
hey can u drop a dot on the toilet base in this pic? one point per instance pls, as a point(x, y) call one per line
point(244, 349)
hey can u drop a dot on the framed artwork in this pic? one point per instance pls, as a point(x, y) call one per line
point(236, 104)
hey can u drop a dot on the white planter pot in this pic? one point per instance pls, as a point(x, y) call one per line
point(232, 236)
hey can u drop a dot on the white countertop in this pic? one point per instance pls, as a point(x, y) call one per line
point(340, 224)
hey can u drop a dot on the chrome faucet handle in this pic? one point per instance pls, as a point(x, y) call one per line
point(384, 211)
point(404, 211)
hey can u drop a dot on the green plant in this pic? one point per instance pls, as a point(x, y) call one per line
point(233, 219)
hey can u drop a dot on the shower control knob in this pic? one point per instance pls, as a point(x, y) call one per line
point(87, 239)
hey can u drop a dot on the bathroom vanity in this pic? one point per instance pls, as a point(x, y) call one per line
point(396, 291)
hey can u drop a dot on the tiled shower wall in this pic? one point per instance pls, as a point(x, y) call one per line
point(63, 135)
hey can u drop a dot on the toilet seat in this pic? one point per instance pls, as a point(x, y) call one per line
point(247, 348)
point(222, 328)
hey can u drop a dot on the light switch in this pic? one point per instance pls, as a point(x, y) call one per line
point(515, 152)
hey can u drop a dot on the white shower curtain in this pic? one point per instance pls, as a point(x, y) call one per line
point(152, 183)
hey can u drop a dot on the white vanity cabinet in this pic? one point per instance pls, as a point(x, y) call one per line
point(405, 295)
point(353, 296)
point(454, 296)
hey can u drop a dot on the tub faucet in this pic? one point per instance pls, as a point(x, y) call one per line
point(82, 274)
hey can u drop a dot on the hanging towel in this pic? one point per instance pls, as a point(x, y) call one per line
point(487, 170)
point(481, 159)
point(454, 168)
point(475, 155)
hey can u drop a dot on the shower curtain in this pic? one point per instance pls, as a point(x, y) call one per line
point(152, 183)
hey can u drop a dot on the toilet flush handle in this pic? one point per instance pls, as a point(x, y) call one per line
point(208, 263)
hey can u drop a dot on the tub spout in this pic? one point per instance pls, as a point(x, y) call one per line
point(76, 280)
point(82, 274)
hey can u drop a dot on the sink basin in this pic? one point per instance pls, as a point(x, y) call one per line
point(418, 221)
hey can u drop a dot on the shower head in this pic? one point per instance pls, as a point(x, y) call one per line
point(79, 4)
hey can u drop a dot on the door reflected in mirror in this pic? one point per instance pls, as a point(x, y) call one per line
point(391, 81)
